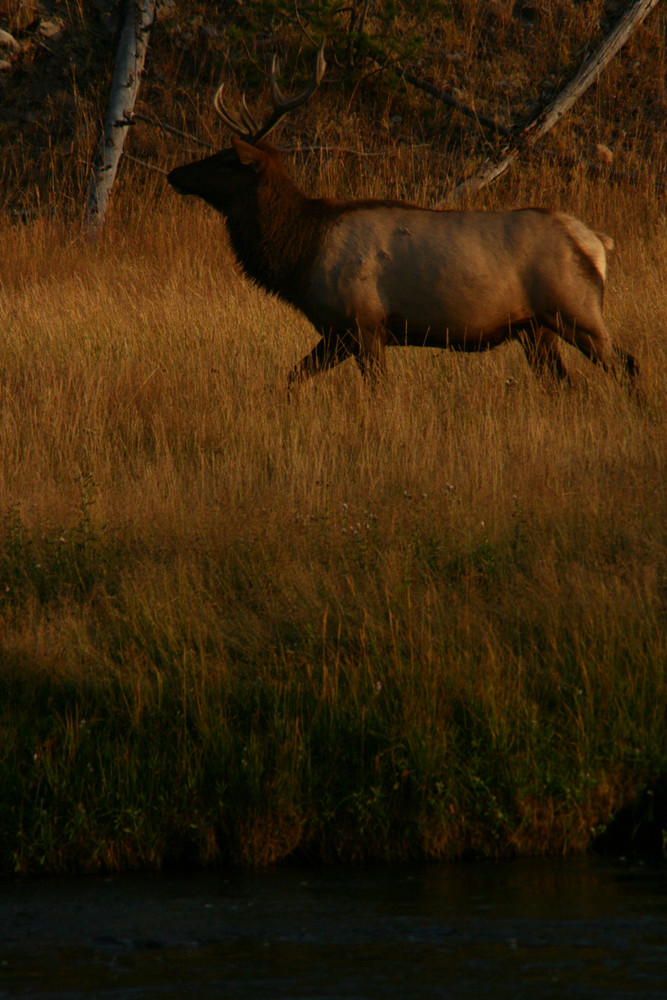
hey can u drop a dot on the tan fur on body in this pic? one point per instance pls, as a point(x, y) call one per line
point(372, 273)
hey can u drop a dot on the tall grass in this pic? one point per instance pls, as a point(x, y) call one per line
point(424, 621)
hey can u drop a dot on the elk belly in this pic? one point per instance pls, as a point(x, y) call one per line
point(430, 277)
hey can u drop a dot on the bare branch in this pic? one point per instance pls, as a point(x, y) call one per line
point(136, 116)
point(448, 98)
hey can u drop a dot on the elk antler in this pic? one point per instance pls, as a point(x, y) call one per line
point(247, 128)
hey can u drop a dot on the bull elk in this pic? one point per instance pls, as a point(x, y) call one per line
point(369, 273)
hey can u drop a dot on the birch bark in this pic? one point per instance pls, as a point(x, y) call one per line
point(130, 58)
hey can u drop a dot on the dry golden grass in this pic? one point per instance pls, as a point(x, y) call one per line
point(447, 592)
point(150, 365)
point(149, 369)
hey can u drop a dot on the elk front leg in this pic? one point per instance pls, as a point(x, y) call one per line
point(327, 353)
point(371, 355)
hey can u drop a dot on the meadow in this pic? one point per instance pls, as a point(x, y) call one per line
point(425, 621)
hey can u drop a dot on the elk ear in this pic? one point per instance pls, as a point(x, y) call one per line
point(249, 155)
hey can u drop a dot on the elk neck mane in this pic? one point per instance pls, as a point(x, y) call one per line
point(276, 235)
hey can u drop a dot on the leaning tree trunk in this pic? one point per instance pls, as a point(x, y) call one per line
point(124, 88)
point(634, 14)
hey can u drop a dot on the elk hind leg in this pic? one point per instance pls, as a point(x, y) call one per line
point(542, 351)
point(627, 363)
point(594, 341)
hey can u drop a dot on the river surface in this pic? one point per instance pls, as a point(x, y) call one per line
point(528, 928)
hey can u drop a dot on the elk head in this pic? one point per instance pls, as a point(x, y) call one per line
point(227, 178)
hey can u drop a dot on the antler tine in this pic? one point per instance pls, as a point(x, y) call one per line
point(276, 96)
point(228, 118)
point(248, 119)
point(248, 128)
point(282, 105)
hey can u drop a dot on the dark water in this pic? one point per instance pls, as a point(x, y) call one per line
point(533, 929)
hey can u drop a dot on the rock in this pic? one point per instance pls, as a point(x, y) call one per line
point(52, 30)
point(602, 154)
point(8, 41)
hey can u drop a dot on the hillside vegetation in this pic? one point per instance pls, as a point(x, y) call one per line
point(426, 621)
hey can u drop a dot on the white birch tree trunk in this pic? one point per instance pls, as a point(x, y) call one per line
point(130, 58)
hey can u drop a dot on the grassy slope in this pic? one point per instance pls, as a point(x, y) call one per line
point(421, 623)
